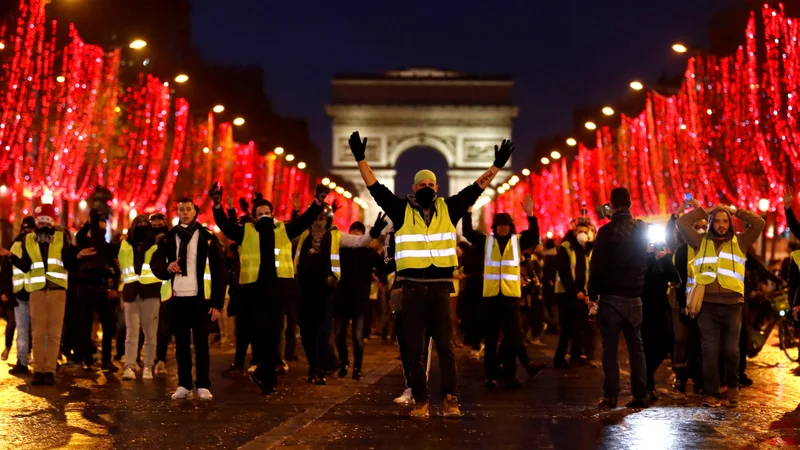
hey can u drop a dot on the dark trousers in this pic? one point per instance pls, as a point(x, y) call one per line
point(687, 349)
point(164, 334)
point(246, 323)
point(622, 314)
point(340, 326)
point(656, 349)
point(94, 300)
point(72, 327)
point(574, 317)
point(188, 318)
point(267, 328)
point(720, 326)
point(315, 329)
point(744, 340)
point(503, 313)
point(552, 309)
point(11, 325)
point(290, 335)
point(401, 343)
point(426, 307)
point(535, 317)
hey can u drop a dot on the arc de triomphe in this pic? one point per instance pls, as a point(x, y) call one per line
point(461, 116)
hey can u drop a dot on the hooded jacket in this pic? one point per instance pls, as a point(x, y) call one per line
point(755, 225)
point(619, 258)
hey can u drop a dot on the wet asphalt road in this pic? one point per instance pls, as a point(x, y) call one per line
point(555, 410)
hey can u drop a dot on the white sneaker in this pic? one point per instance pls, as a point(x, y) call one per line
point(204, 394)
point(147, 373)
point(129, 374)
point(406, 398)
point(182, 393)
point(161, 368)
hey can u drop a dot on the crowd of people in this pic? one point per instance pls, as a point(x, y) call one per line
point(681, 299)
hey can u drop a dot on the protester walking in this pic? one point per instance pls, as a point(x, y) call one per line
point(16, 298)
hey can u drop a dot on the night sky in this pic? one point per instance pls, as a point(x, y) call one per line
point(562, 54)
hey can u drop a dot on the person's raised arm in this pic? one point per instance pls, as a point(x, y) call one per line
point(229, 228)
point(474, 237)
point(391, 204)
point(359, 150)
point(530, 237)
point(755, 225)
point(686, 221)
point(297, 226)
point(353, 241)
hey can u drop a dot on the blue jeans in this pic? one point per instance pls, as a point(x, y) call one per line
point(341, 322)
point(22, 314)
point(622, 314)
point(720, 326)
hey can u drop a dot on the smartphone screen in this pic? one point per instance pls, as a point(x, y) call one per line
point(688, 196)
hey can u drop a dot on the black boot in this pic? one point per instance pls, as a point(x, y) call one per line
point(744, 380)
point(637, 404)
point(266, 388)
point(343, 371)
point(110, 367)
point(232, 370)
point(653, 397)
point(38, 379)
point(608, 403)
point(356, 374)
point(19, 369)
point(49, 378)
point(533, 368)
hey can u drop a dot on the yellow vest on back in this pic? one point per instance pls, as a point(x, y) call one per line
point(250, 254)
point(336, 241)
point(418, 246)
point(573, 263)
point(127, 269)
point(56, 273)
point(18, 278)
point(501, 272)
point(727, 266)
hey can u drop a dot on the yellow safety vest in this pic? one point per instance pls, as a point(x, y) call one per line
point(573, 262)
point(796, 258)
point(456, 283)
point(336, 242)
point(127, 267)
point(250, 254)
point(501, 272)
point(690, 281)
point(166, 286)
point(727, 266)
point(418, 246)
point(18, 277)
point(37, 277)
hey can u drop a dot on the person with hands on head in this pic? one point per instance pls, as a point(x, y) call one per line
point(47, 257)
point(319, 270)
point(190, 258)
point(719, 283)
point(502, 290)
point(425, 255)
point(267, 272)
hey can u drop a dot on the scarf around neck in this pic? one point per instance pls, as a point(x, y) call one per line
point(185, 233)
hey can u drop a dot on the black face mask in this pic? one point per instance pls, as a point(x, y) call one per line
point(425, 197)
point(141, 233)
point(265, 223)
point(46, 230)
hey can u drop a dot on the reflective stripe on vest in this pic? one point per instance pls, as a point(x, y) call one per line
point(37, 277)
point(418, 246)
point(336, 243)
point(126, 265)
point(250, 253)
point(501, 272)
point(166, 286)
point(18, 277)
point(727, 267)
point(573, 263)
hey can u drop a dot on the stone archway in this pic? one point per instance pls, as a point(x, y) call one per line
point(461, 116)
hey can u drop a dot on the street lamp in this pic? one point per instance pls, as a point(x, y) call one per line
point(290, 157)
point(60, 78)
point(218, 109)
point(238, 121)
point(301, 165)
point(679, 48)
point(138, 44)
point(500, 190)
point(182, 78)
point(326, 181)
point(763, 205)
point(555, 155)
point(572, 142)
point(526, 172)
point(332, 185)
point(608, 111)
point(278, 150)
point(636, 86)
point(590, 125)
point(82, 205)
point(2, 45)
point(545, 161)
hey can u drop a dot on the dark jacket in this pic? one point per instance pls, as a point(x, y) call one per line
point(208, 246)
point(714, 292)
point(619, 258)
point(682, 267)
point(575, 285)
point(68, 256)
point(395, 208)
point(527, 239)
point(656, 311)
point(267, 274)
point(352, 294)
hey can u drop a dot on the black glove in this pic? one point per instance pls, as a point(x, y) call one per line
point(378, 226)
point(358, 147)
point(335, 205)
point(232, 214)
point(243, 205)
point(322, 192)
point(94, 216)
point(216, 193)
point(258, 197)
point(502, 154)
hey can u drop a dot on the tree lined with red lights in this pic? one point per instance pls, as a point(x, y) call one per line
point(729, 135)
